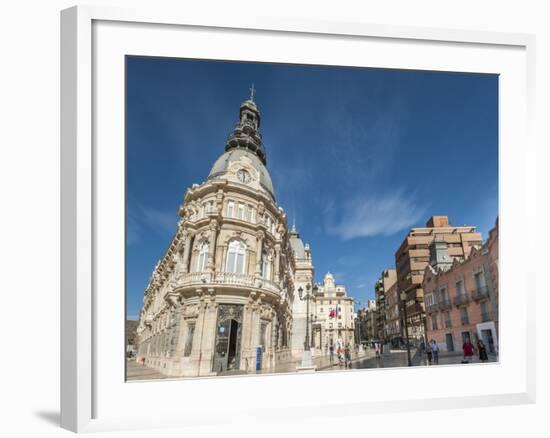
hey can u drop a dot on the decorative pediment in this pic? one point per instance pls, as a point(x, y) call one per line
point(237, 235)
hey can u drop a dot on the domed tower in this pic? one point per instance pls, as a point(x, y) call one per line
point(303, 277)
point(224, 289)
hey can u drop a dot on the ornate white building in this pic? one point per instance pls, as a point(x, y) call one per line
point(333, 316)
point(225, 291)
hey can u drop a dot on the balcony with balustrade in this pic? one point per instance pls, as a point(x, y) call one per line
point(480, 293)
point(486, 316)
point(444, 304)
point(461, 299)
point(432, 308)
point(225, 279)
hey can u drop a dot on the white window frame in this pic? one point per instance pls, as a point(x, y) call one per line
point(266, 265)
point(237, 251)
point(230, 209)
point(429, 299)
point(202, 259)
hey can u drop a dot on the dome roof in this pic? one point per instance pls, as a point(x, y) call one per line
point(297, 246)
point(250, 104)
point(223, 163)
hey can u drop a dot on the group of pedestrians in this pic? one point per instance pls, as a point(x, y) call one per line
point(469, 350)
point(432, 351)
point(342, 353)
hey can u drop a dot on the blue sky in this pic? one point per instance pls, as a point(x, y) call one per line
point(358, 156)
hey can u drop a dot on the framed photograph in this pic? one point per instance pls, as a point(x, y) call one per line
point(259, 214)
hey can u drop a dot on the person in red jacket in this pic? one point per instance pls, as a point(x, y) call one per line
point(468, 349)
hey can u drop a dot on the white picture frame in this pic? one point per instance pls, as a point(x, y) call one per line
point(89, 399)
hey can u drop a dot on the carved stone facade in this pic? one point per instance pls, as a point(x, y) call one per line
point(333, 317)
point(226, 285)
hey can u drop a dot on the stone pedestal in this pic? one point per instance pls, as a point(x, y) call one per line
point(307, 363)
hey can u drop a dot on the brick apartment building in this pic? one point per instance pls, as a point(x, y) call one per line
point(385, 282)
point(461, 296)
point(413, 256)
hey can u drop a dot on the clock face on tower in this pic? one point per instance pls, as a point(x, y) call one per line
point(243, 176)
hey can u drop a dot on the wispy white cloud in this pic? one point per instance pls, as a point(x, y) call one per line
point(132, 229)
point(373, 215)
point(164, 220)
point(144, 219)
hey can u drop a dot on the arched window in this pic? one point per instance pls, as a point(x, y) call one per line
point(266, 266)
point(203, 257)
point(236, 257)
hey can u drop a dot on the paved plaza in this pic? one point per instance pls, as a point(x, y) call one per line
point(136, 371)
point(360, 360)
point(398, 358)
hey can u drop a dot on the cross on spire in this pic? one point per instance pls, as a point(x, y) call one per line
point(252, 90)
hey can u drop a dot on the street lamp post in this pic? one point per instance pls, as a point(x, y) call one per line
point(358, 322)
point(403, 297)
point(306, 358)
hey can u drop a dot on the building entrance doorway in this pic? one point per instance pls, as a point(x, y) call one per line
point(227, 351)
point(449, 341)
point(487, 337)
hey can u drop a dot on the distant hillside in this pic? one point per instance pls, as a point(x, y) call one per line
point(131, 327)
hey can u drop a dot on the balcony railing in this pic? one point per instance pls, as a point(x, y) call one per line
point(480, 293)
point(461, 299)
point(415, 309)
point(486, 316)
point(226, 278)
point(444, 304)
point(432, 308)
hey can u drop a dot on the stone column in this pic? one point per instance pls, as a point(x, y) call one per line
point(186, 251)
point(223, 258)
point(277, 263)
point(260, 236)
point(209, 334)
point(212, 248)
point(204, 337)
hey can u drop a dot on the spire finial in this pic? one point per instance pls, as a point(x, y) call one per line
point(252, 91)
point(293, 229)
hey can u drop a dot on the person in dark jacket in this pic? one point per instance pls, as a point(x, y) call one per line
point(482, 351)
point(429, 353)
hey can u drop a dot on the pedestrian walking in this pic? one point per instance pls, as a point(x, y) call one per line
point(340, 354)
point(482, 351)
point(422, 348)
point(435, 351)
point(468, 350)
point(331, 351)
point(347, 356)
point(377, 349)
point(429, 353)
